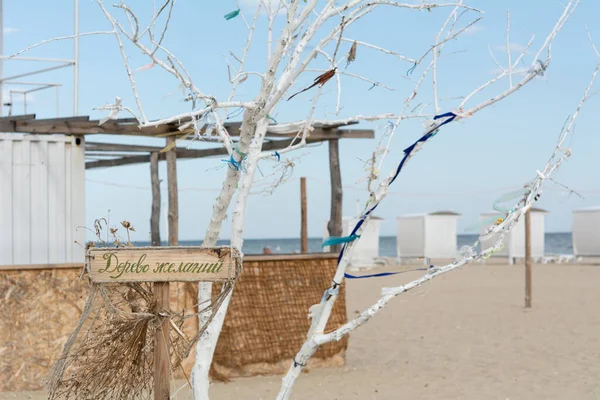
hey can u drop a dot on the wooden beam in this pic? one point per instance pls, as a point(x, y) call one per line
point(155, 213)
point(97, 146)
point(183, 153)
point(528, 259)
point(87, 127)
point(84, 126)
point(17, 117)
point(105, 154)
point(334, 227)
point(83, 118)
point(9, 124)
point(303, 217)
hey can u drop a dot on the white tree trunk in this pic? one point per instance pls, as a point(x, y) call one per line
point(208, 341)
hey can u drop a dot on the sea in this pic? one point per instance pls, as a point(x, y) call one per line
point(556, 244)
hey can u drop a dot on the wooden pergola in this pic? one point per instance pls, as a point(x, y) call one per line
point(104, 154)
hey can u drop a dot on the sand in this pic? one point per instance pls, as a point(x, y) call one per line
point(464, 335)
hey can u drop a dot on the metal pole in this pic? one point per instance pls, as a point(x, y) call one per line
point(1, 61)
point(25, 103)
point(76, 60)
point(57, 103)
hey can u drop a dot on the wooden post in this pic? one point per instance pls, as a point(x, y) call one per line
point(173, 198)
point(334, 227)
point(528, 259)
point(155, 214)
point(303, 216)
point(161, 289)
point(161, 343)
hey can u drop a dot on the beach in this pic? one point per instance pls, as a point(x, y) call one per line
point(464, 335)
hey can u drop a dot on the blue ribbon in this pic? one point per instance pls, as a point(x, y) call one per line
point(348, 276)
point(276, 154)
point(450, 116)
point(333, 240)
point(411, 69)
point(237, 165)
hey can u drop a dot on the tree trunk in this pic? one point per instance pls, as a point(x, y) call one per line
point(208, 341)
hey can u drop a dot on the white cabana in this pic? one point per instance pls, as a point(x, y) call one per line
point(430, 235)
point(514, 241)
point(586, 235)
point(367, 248)
point(42, 200)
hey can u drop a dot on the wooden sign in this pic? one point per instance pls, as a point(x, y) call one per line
point(162, 264)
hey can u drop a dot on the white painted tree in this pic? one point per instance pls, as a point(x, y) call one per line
point(308, 44)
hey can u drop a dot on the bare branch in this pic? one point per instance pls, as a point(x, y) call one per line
point(510, 82)
point(33, 46)
point(381, 49)
point(592, 42)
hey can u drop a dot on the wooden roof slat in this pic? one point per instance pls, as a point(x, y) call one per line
point(9, 124)
point(17, 117)
point(96, 146)
point(67, 119)
point(183, 153)
point(87, 127)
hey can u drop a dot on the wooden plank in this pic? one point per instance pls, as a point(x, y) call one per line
point(162, 264)
point(17, 117)
point(56, 202)
point(183, 153)
point(97, 146)
point(9, 124)
point(82, 118)
point(155, 212)
point(303, 217)
point(75, 126)
point(173, 218)
point(528, 259)
point(161, 343)
point(103, 155)
point(334, 227)
point(39, 198)
point(6, 201)
point(78, 199)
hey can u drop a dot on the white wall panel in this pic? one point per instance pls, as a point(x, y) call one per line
point(42, 200)
point(6, 204)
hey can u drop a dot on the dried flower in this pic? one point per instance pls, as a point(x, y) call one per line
point(351, 54)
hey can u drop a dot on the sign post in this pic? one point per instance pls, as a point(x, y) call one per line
point(162, 265)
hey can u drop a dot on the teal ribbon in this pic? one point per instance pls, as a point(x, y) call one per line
point(333, 240)
point(232, 14)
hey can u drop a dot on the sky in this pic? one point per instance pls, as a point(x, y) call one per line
point(469, 164)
